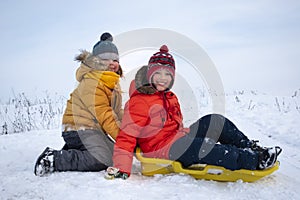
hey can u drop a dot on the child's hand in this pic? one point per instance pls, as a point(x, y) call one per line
point(112, 173)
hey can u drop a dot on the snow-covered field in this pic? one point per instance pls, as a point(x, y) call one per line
point(272, 120)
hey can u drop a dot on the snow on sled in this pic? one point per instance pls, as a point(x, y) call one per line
point(152, 166)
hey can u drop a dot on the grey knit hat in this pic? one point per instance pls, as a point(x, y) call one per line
point(105, 49)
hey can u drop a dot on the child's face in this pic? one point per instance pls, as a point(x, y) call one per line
point(113, 65)
point(162, 79)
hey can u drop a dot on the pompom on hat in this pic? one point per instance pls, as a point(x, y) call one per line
point(105, 49)
point(159, 60)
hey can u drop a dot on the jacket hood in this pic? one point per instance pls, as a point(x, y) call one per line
point(141, 82)
point(89, 63)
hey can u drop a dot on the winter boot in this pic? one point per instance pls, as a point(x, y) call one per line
point(268, 157)
point(44, 164)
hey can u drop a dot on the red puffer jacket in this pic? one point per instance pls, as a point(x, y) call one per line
point(152, 120)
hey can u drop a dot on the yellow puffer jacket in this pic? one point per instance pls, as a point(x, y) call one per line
point(96, 102)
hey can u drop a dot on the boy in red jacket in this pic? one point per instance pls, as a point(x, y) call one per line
point(153, 121)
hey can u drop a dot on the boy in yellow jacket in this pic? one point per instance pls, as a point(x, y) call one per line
point(92, 116)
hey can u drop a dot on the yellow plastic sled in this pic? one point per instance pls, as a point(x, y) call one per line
point(152, 166)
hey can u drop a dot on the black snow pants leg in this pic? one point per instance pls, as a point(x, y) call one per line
point(200, 145)
point(86, 150)
point(220, 129)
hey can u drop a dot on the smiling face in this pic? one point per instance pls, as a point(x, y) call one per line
point(113, 65)
point(162, 79)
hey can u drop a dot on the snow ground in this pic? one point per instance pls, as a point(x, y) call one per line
point(257, 115)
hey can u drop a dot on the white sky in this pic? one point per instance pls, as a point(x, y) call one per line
point(255, 45)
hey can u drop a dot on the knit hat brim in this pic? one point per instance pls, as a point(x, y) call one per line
point(109, 56)
point(154, 68)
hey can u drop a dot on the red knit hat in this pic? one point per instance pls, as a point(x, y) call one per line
point(159, 60)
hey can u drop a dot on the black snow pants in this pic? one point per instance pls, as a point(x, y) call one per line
point(84, 150)
point(215, 140)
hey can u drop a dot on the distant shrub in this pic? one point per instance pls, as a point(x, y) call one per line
point(20, 114)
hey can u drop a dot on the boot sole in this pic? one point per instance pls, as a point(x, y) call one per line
point(43, 154)
point(277, 150)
